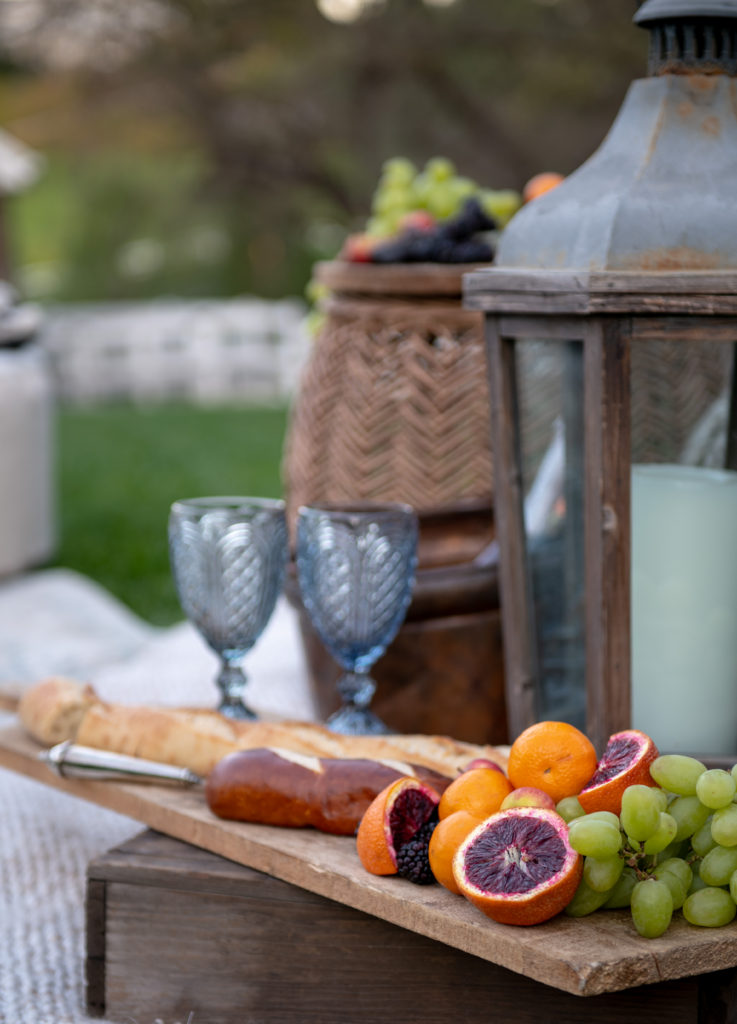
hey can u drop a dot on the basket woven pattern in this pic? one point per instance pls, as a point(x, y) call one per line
point(392, 408)
point(673, 386)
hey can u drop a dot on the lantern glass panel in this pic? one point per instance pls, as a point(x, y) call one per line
point(684, 548)
point(679, 396)
point(550, 377)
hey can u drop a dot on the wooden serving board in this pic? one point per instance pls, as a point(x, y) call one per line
point(585, 957)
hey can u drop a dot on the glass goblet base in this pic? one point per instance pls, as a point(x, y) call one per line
point(354, 718)
point(231, 681)
point(352, 721)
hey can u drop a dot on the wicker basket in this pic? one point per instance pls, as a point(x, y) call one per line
point(393, 404)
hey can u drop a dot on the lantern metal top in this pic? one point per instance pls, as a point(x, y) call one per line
point(658, 194)
point(666, 10)
point(689, 36)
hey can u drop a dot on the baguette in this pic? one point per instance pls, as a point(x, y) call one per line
point(277, 787)
point(54, 710)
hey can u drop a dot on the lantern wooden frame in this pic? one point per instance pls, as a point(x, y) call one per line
point(609, 312)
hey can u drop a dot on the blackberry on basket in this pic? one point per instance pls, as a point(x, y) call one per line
point(452, 241)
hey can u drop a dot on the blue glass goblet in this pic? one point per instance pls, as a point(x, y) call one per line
point(356, 567)
point(229, 558)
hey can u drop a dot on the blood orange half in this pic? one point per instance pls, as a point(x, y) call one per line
point(625, 762)
point(518, 866)
point(392, 820)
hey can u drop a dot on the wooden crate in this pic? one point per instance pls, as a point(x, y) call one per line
point(177, 934)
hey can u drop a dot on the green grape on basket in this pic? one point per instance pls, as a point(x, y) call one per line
point(433, 215)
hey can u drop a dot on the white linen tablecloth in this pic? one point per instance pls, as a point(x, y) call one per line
point(47, 838)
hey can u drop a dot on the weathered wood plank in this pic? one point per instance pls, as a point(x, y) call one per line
point(499, 290)
point(95, 929)
point(607, 531)
point(392, 279)
point(520, 649)
point(270, 953)
point(564, 327)
point(684, 329)
point(591, 304)
point(730, 456)
point(633, 282)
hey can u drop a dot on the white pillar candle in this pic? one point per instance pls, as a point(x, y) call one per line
point(684, 607)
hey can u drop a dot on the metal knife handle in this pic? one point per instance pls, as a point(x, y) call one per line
point(69, 760)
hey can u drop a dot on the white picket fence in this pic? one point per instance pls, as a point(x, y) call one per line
point(207, 352)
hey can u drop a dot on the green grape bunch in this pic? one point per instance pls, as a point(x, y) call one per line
point(437, 189)
point(430, 215)
point(672, 848)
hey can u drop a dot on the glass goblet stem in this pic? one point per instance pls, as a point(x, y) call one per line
point(231, 681)
point(354, 718)
point(356, 688)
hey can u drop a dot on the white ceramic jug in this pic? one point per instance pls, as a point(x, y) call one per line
point(27, 498)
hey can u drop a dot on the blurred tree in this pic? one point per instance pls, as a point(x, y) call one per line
point(295, 113)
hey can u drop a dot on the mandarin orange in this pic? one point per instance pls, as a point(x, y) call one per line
point(445, 840)
point(391, 820)
point(555, 757)
point(479, 791)
point(541, 183)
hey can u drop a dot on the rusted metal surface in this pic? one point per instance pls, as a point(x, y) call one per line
point(659, 193)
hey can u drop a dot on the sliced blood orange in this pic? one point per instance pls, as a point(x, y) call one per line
point(391, 821)
point(625, 762)
point(518, 866)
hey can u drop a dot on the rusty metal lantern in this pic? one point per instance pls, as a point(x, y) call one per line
point(617, 290)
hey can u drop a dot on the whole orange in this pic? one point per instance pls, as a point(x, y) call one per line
point(447, 836)
point(552, 756)
point(479, 791)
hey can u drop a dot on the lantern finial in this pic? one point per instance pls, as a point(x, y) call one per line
point(690, 36)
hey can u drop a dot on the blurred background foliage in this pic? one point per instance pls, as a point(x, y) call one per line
point(217, 148)
point(120, 468)
point(220, 147)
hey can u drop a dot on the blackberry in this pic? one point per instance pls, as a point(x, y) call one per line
point(472, 251)
point(471, 219)
point(451, 241)
point(420, 247)
point(392, 251)
point(413, 862)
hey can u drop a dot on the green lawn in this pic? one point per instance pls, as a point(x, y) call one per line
point(121, 467)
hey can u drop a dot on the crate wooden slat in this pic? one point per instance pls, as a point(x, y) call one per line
point(174, 930)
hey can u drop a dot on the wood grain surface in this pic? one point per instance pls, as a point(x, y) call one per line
point(584, 957)
point(174, 930)
point(548, 292)
point(416, 279)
